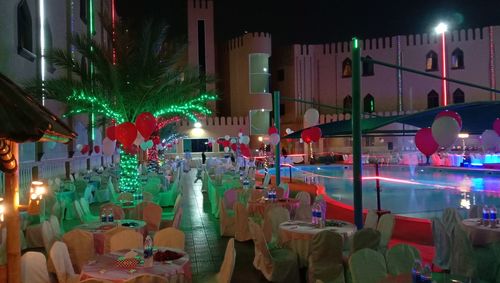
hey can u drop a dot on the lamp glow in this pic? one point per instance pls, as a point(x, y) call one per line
point(441, 28)
point(463, 135)
point(197, 125)
point(260, 139)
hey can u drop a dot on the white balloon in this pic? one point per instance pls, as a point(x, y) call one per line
point(245, 139)
point(138, 140)
point(288, 131)
point(108, 146)
point(79, 147)
point(274, 139)
point(233, 140)
point(445, 130)
point(311, 118)
point(226, 149)
point(301, 140)
point(227, 137)
point(490, 140)
point(240, 134)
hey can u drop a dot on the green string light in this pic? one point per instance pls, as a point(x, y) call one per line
point(129, 176)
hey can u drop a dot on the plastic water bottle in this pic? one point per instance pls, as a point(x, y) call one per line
point(493, 213)
point(104, 218)
point(148, 247)
point(486, 215)
point(111, 217)
point(246, 183)
point(426, 276)
point(416, 272)
point(319, 216)
point(314, 218)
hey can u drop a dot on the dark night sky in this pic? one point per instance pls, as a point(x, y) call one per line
point(316, 21)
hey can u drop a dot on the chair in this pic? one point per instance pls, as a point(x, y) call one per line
point(325, 259)
point(80, 247)
point(111, 232)
point(286, 190)
point(177, 219)
point(152, 215)
point(147, 196)
point(152, 187)
point(86, 210)
point(126, 239)
point(118, 212)
point(58, 209)
point(451, 219)
point(168, 198)
point(266, 181)
point(304, 197)
point(273, 218)
point(34, 268)
point(227, 223)
point(442, 244)
point(256, 194)
point(148, 278)
point(48, 236)
point(365, 238)
point(3, 246)
point(371, 219)
point(169, 215)
point(230, 197)
point(277, 265)
point(367, 266)
point(125, 197)
point(280, 192)
point(79, 211)
point(170, 237)
point(226, 269)
point(62, 263)
point(303, 212)
point(385, 226)
point(56, 227)
point(401, 258)
point(80, 186)
point(242, 232)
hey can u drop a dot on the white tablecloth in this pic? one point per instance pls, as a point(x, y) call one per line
point(479, 234)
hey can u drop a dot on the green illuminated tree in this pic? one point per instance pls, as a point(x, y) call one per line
point(143, 71)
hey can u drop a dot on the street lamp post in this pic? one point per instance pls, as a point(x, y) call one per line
point(441, 29)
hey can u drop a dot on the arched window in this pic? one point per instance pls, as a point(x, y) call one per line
point(431, 61)
point(347, 68)
point(458, 96)
point(25, 31)
point(347, 105)
point(369, 104)
point(432, 99)
point(457, 59)
point(368, 67)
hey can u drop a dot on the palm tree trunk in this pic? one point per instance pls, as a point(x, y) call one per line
point(129, 174)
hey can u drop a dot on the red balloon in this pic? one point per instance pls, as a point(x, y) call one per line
point(245, 150)
point(425, 142)
point(126, 133)
point(97, 149)
point(131, 149)
point(226, 143)
point(85, 149)
point(451, 114)
point(305, 135)
point(169, 145)
point(233, 147)
point(156, 140)
point(111, 133)
point(272, 130)
point(496, 126)
point(315, 134)
point(146, 124)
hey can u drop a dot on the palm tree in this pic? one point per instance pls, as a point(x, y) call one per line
point(150, 75)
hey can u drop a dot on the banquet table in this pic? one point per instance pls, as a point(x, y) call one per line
point(216, 190)
point(98, 230)
point(104, 268)
point(479, 234)
point(297, 235)
point(130, 208)
point(258, 207)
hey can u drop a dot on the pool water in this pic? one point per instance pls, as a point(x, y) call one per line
point(417, 191)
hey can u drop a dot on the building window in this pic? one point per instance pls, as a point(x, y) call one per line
point(457, 59)
point(281, 75)
point(347, 105)
point(25, 31)
point(369, 104)
point(259, 73)
point(458, 96)
point(431, 61)
point(432, 99)
point(48, 47)
point(347, 68)
point(368, 67)
point(84, 6)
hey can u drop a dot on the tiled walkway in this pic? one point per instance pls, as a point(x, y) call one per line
point(203, 242)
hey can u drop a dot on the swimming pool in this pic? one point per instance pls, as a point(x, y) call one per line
point(417, 191)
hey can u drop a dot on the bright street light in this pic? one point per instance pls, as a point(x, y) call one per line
point(197, 125)
point(441, 28)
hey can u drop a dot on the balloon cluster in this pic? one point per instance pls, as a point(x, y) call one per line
point(132, 136)
point(242, 142)
point(444, 132)
point(311, 135)
point(490, 139)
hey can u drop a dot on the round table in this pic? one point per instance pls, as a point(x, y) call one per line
point(98, 229)
point(297, 235)
point(479, 234)
point(104, 268)
point(259, 206)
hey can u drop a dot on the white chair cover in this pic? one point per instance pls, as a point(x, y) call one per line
point(34, 268)
point(226, 269)
point(152, 215)
point(226, 222)
point(286, 190)
point(62, 263)
point(126, 239)
point(111, 232)
point(367, 266)
point(462, 261)
point(177, 218)
point(371, 219)
point(80, 247)
point(274, 217)
point(385, 226)
point(400, 259)
point(366, 238)
point(442, 244)
point(242, 232)
point(170, 215)
point(56, 227)
point(451, 219)
point(170, 237)
point(304, 197)
point(47, 235)
point(325, 260)
point(86, 211)
point(266, 181)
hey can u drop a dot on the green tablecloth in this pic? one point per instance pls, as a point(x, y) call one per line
point(216, 191)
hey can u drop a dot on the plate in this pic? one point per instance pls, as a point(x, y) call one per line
point(130, 224)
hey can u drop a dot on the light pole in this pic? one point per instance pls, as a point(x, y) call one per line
point(441, 29)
